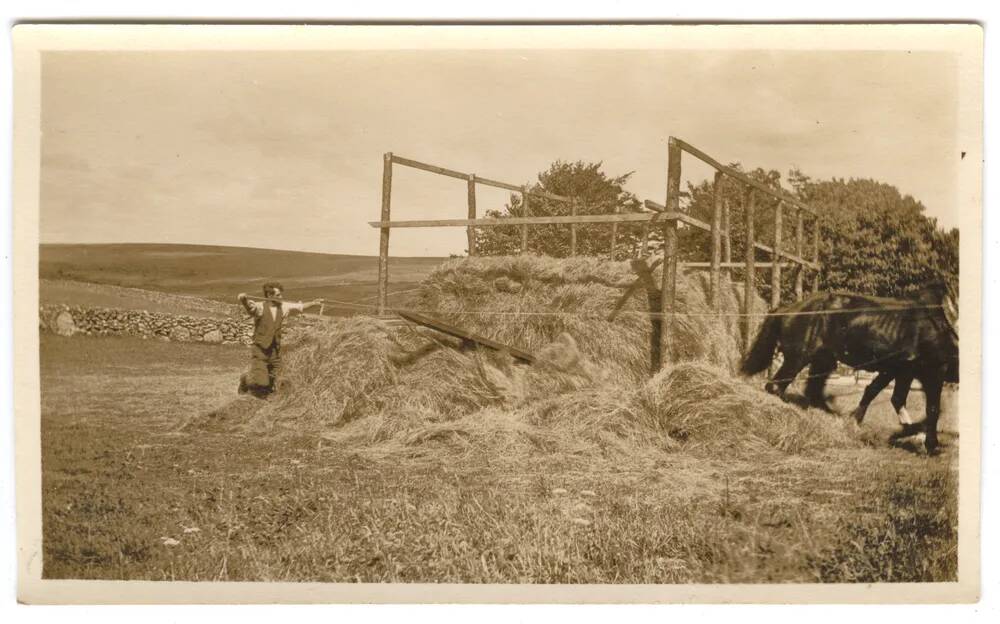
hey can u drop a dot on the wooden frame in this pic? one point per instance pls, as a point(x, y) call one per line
point(668, 217)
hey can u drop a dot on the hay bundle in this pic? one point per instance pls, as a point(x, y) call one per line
point(704, 407)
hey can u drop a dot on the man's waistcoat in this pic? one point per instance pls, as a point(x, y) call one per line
point(267, 326)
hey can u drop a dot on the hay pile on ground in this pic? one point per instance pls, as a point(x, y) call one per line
point(411, 391)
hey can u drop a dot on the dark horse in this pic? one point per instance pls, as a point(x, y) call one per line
point(899, 339)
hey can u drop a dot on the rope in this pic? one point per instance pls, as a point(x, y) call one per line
point(333, 303)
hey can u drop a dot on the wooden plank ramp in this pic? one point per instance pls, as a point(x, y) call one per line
point(465, 336)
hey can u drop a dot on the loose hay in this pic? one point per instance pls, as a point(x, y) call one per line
point(411, 391)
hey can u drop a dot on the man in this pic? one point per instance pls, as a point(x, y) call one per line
point(265, 352)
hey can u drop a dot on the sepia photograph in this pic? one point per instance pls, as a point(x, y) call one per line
point(498, 313)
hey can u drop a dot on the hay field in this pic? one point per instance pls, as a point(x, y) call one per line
point(388, 455)
point(220, 273)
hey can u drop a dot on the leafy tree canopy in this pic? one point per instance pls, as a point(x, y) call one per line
point(874, 239)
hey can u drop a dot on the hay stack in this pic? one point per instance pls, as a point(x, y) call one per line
point(528, 301)
point(410, 390)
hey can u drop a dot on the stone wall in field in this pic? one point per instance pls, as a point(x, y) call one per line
point(67, 320)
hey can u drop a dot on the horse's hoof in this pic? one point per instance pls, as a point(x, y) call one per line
point(932, 446)
point(907, 430)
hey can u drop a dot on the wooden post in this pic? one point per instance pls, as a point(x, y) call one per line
point(800, 245)
point(713, 284)
point(750, 277)
point(572, 229)
point(816, 254)
point(527, 213)
point(471, 231)
point(727, 240)
point(644, 247)
point(776, 259)
point(383, 243)
point(669, 284)
point(614, 234)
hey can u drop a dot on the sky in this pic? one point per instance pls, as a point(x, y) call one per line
point(284, 149)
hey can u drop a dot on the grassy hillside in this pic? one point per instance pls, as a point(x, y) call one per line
point(219, 273)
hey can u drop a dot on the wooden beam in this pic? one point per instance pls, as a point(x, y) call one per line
point(614, 234)
point(816, 255)
point(800, 242)
point(546, 220)
point(572, 231)
point(527, 213)
point(416, 164)
point(775, 259)
point(713, 279)
point(689, 220)
point(727, 240)
point(471, 231)
point(735, 265)
point(669, 283)
point(729, 171)
point(458, 332)
point(639, 266)
point(748, 284)
point(383, 243)
point(517, 189)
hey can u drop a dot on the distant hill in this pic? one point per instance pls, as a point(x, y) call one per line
point(219, 273)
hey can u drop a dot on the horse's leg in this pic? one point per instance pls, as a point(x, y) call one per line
point(823, 365)
point(790, 367)
point(877, 385)
point(899, 395)
point(933, 383)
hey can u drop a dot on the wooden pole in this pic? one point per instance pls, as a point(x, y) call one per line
point(816, 255)
point(614, 234)
point(727, 239)
point(713, 284)
point(776, 258)
point(669, 283)
point(800, 243)
point(383, 243)
point(750, 277)
point(644, 247)
point(527, 213)
point(471, 231)
point(572, 230)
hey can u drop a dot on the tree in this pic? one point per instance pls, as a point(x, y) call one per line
point(876, 240)
point(595, 193)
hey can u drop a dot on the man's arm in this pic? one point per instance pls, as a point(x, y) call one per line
point(248, 305)
point(300, 306)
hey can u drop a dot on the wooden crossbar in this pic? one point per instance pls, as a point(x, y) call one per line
point(458, 332)
point(451, 173)
point(729, 171)
point(553, 220)
point(701, 225)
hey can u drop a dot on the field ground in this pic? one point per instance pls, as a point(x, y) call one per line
point(127, 493)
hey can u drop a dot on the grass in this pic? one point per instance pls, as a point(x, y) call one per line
point(220, 273)
point(106, 296)
point(123, 480)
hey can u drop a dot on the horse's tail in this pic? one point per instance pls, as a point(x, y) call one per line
point(762, 351)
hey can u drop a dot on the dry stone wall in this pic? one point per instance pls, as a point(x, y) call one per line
point(67, 320)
